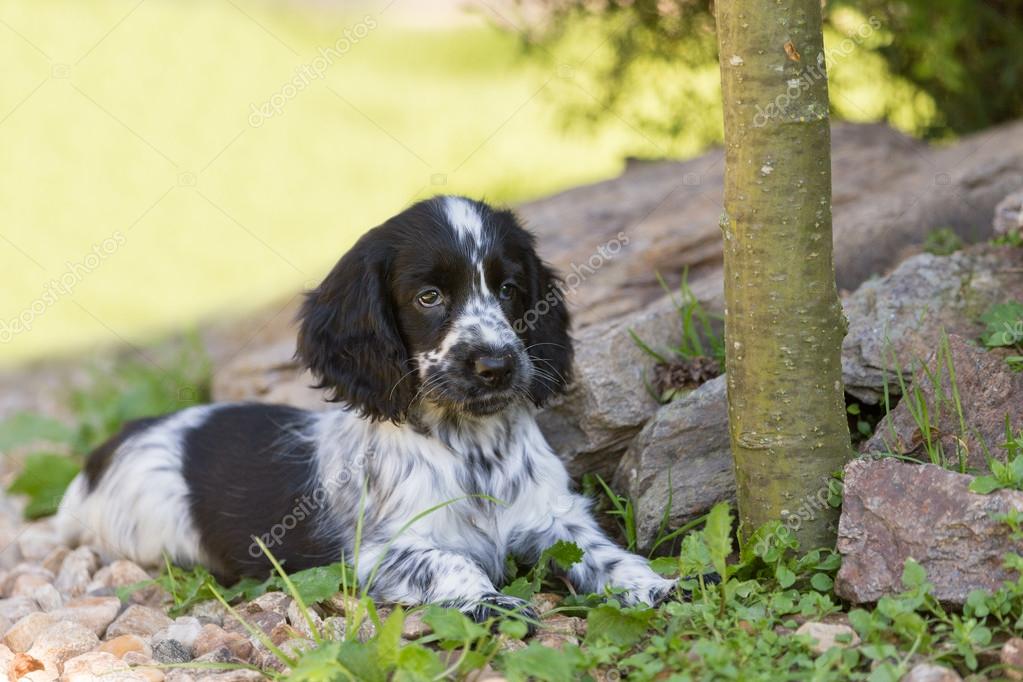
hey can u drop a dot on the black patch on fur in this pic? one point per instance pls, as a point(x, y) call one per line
point(251, 470)
point(360, 328)
point(99, 459)
point(349, 338)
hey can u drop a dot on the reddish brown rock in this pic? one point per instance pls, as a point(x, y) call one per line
point(254, 617)
point(895, 510)
point(213, 637)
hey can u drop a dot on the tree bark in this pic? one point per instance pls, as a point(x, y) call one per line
point(783, 321)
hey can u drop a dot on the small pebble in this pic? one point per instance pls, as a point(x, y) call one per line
point(76, 571)
point(183, 630)
point(826, 635)
point(415, 627)
point(95, 613)
point(20, 636)
point(210, 611)
point(214, 637)
point(1011, 656)
point(928, 672)
point(37, 541)
point(47, 597)
point(139, 620)
point(126, 644)
point(278, 602)
point(170, 651)
point(94, 666)
point(61, 642)
point(14, 609)
point(55, 559)
point(23, 664)
point(299, 621)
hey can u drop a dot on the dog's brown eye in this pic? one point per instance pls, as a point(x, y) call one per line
point(428, 298)
point(508, 291)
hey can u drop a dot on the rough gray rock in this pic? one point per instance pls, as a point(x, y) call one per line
point(687, 442)
point(895, 322)
point(170, 651)
point(988, 393)
point(895, 510)
point(608, 402)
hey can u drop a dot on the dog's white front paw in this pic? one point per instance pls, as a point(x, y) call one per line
point(642, 585)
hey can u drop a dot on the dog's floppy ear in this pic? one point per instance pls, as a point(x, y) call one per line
point(547, 336)
point(348, 336)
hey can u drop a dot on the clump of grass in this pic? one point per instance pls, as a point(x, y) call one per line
point(701, 348)
point(1011, 239)
point(926, 413)
point(942, 242)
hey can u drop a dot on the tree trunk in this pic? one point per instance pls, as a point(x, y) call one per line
point(783, 322)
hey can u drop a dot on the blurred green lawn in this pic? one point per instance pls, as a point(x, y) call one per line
point(130, 122)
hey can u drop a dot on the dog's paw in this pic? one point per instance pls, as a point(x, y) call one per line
point(496, 606)
point(650, 590)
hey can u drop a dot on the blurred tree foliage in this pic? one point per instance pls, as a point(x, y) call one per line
point(936, 68)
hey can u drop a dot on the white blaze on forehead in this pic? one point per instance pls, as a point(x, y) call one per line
point(465, 219)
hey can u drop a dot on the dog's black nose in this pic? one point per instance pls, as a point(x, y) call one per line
point(493, 371)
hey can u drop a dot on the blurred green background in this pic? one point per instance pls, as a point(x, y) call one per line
point(143, 172)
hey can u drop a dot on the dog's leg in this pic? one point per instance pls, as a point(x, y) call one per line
point(604, 564)
point(417, 574)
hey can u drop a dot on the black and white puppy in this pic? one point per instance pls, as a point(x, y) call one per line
point(439, 332)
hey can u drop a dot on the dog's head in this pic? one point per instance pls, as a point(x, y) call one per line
point(446, 304)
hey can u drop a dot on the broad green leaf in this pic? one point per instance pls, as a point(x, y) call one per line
point(416, 663)
point(248, 588)
point(822, 582)
point(452, 625)
point(717, 534)
point(514, 628)
point(984, 485)
point(388, 640)
point(1004, 322)
point(564, 554)
point(538, 662)
point(664, 565)
point(44, 478)
point(913, 574)
point(522, 588)
point(621, 626)
point(25, 428)
point(360, 661)
point(861, 621)
point(785, 577)
point(318, 583)
point(320, 665)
